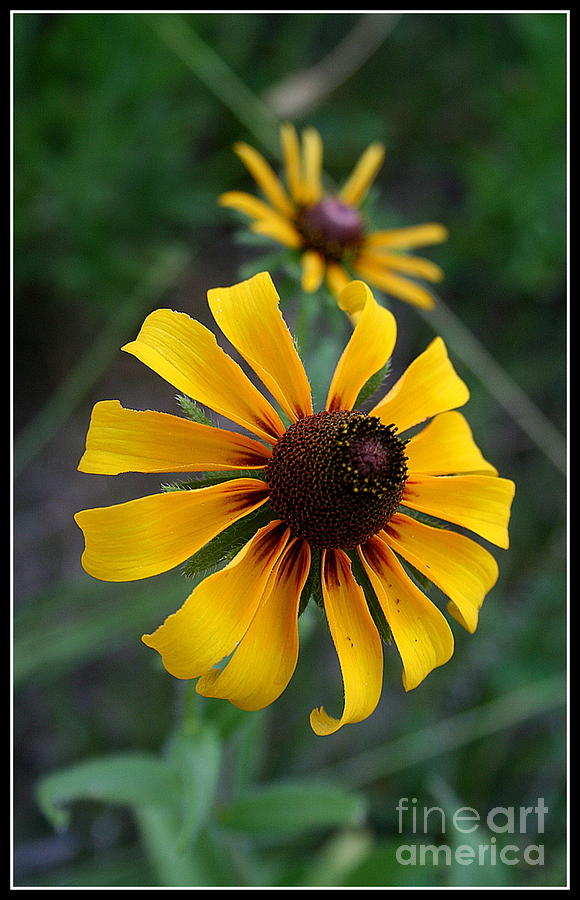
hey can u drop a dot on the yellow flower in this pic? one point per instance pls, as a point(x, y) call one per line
point(330, 230)
point(335, 483)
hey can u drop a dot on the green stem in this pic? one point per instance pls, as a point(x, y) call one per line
point(79, 381)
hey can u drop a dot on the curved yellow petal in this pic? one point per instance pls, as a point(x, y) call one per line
point(446, 447)
point(153, 534)
point(393, 284)
point(312, 150)
point(312, 271)
point(409, 265)
point(264, 661)
point(337, 278)
point(370, 346)
point(357, 643)
point(249, 315)
point(408, 238)
point(265, 177)
point(278, 229)
point(421, 633)
point(128, 440)
point(245, 203)
point(363, 175)
point(430, 385)
point(217, 614)
point(186, 354)
point(477, 502)
point(462, 569)
point(292, 161)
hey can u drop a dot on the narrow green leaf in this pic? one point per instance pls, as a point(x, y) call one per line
point(373, 384)
point(196, 759)
point(312, 589)
point(224, 546)
point(293, 807)
point(375, 608)
point(191, 409)
point(127, 779)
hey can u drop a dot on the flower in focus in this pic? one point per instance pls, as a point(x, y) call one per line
point(329, 230)
point(328, 494)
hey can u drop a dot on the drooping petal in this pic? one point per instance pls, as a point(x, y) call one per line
point(249, 315)
point(264, 661)
point(446, 447)
point(430, 385)
point(246, 203)
point(379, 275)
point(265, 177)
point(408, 265)
point(408, 238)
point(421, 633)
point(363, 175)
point(278, 229)
point(312, 271)
point(187, 355)
point(370, 346)
point(478, 502)
point(153, 534)
point(292, 161)
point(461, 568)
point(337, 278)
point(312, 163)
point(128, 440)
point(357, 643)
point(217, 614)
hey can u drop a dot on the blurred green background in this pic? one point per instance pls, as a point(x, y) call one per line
point(123, 128)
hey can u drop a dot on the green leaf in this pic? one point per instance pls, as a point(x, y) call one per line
point(207, 479)
point(312, 589)
point(293, 807)
point(192, 410)
point(225, 545)
point(373, 384)
point(375, 608)
point(128, 779)
point(196, 758)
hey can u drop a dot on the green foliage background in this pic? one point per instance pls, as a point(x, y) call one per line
point(123, 127)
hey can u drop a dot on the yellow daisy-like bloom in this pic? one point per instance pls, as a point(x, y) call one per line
point(330, 230)
point(335, 483)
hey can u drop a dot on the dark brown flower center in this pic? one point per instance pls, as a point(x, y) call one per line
point(337, 478)
point(332, 227)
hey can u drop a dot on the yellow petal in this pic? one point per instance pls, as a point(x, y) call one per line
point(264, 661)
point(278, 229)
point(409, 265)
point(264, 176)
point(292, 161)
point(446, 447)
point(421, 633)
point(393, 284)
point(370, 346)
point(408, 238)
point(218, 612)
point(246, 203)
point(312, 271)
point(153, 534)
point(128, 440)
point(337, 278)
point(430, 385)
point(477, 502)
point(312, 157)
point(459, 567)
point(357, 643)
point(363, 175)
point(186, 354)
point(249, 315)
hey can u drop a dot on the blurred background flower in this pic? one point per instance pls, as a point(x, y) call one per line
point(123, 129)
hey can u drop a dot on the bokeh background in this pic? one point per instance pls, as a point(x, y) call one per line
point(123, 128)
